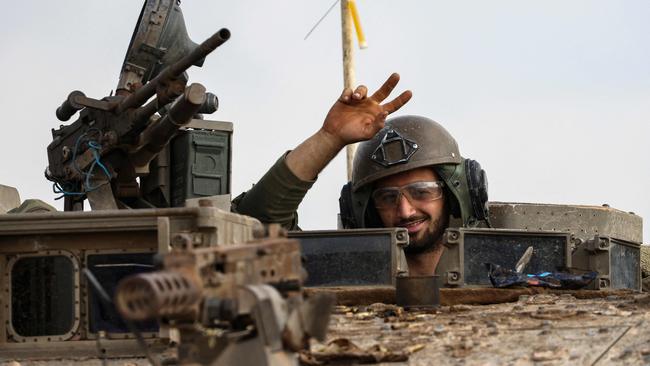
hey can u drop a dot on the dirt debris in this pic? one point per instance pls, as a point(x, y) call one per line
point(540, 325)
point(541, 355)
point(414, 348)
point(342, 350)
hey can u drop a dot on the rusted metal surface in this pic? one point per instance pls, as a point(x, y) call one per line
point(219, 302)
point(417, 291)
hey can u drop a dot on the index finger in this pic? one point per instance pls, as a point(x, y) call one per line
point(398, 102)
point(384, 91)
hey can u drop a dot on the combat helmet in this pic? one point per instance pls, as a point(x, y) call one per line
point(406, 143)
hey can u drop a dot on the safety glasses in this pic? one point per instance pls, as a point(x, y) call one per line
point(389, 197)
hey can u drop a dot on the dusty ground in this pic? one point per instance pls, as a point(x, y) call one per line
point(537, 330)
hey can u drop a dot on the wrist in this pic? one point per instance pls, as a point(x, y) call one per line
point(329, 140)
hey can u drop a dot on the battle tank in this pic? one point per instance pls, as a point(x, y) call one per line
point(141, 164)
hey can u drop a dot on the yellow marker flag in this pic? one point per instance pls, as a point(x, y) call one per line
point(352, 5)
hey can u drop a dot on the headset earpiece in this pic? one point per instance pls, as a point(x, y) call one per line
point(345, 207)
point(478, 188)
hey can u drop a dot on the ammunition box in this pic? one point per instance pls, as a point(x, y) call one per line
point(468, 250)
point(585, 222)
point(201, 160)
point(48, 301)
point(617, 262)
point(359, 257)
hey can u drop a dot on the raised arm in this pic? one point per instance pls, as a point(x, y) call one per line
point(353, 117)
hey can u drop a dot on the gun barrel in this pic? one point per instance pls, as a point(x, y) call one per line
point(157, 135)
point(157, 294)
point(172, 71)
point(70, 106)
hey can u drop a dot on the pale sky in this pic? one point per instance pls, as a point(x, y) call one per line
point(551, 97)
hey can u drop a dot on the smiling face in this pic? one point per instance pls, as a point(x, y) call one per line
point(424, 220)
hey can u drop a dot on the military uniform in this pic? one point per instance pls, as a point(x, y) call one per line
point(275, 198)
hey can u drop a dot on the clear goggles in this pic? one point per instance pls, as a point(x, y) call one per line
point(389, 197)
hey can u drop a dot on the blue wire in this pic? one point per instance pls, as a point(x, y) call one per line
point(95, 147)
point(56, 187)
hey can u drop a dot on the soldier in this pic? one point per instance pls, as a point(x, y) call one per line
point(408, 173)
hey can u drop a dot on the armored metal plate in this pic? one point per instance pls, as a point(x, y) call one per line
point(584, 222)
point(626, 266)
point(617, 262)
point(361, 257)
point(42, 256)
point(468, 250)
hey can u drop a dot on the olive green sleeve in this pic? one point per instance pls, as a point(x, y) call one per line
point(275, 198)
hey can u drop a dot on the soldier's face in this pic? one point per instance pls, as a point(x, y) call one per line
point(425, 220)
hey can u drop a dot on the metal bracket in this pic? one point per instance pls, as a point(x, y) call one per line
point(454, 278)
point(598, 244)
point(451, 237)
point(603, 283)
point(409, 148)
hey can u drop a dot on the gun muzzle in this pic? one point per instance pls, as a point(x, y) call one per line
point(157, 294)
point(158, 134)
point(210, 105)
point(70, 106)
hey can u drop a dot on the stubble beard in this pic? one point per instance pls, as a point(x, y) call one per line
point(431, 239)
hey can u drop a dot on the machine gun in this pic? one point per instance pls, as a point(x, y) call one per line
point(230, 305)
point(109, 147)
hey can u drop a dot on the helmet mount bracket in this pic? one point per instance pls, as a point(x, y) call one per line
point(383, 153)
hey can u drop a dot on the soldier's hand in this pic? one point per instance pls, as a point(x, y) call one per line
point(357, 117)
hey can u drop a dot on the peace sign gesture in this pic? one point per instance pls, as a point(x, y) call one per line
point(356, 117)
point(353, 117)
